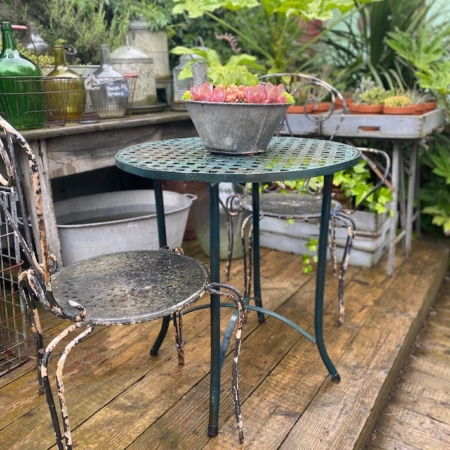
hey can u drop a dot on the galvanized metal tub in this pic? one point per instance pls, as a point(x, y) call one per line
point(236, 128)
point(118, 221)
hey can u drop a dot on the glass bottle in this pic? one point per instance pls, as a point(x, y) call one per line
point(21, 85)
point(64, 89)
point(34, 42)
point(108, 88)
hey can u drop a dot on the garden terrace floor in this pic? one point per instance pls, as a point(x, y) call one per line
point(121, 398)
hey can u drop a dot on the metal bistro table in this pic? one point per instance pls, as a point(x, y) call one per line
point(286, 158)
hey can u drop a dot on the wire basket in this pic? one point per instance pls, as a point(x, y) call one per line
point(35, 102)
point(13, 327)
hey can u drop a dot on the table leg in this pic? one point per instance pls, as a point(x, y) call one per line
point(256, 254)
point(159, 203)
point(395, 183)
point(320, 281)
point(214, 399)
point(410, 201)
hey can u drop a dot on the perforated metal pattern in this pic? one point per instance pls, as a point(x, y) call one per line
point(131, 287)
point(187, 159)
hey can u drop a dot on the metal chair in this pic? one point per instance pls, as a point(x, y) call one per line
point(115, 289)
point(303, 206)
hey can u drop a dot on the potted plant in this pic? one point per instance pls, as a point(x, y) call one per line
point(399, 104)
point(368, 98)
point(236, 113)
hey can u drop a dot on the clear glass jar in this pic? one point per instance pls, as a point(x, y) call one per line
point(108, 88)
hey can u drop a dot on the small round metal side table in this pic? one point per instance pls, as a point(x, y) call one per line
point(286, 158)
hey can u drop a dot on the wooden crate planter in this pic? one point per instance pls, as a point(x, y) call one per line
point(370, 243)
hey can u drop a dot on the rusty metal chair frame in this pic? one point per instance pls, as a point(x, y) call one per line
point(116, 289)
point(305, 206)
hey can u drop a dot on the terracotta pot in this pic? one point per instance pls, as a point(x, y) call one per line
point(300, 109)
point(320, 108)
point(399, 110)
point(339, 103)
point(429, 106)
point(419, 109)
point(353, 107)
point(369, 109)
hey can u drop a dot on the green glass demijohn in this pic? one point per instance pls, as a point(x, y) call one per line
point(64, 89)
point(22, 101)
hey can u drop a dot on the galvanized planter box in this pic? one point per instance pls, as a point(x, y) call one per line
point(386, 126)
point(370, 243)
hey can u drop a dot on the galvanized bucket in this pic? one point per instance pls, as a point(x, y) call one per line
point(236, 128)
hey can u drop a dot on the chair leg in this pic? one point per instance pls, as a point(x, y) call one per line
point(178, 325)
point(332, 243)
point(36, 329)
point(234, 295)
point(46, 382)
point(230, 233)
point(350, 224)
point(60, 384)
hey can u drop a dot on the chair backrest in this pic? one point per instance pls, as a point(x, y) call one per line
point(380, 168)
point(41, 269)
point(314, 88)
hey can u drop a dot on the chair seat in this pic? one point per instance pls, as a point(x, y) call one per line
point(291, 205)
point(131, 287)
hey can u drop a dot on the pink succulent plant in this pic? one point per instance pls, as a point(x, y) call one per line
point(261, 93)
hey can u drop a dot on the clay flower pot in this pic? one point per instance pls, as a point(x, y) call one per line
point(419, 109)
point(429, 106)
point(399, 110)
point(369, 109)
point(300, 109)
point(320, 108)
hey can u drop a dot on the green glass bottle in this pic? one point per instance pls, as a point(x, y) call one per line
point(22, 101)
point(64, 89)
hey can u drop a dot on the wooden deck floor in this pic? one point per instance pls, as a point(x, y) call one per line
point(120, 398)
point(417, 415)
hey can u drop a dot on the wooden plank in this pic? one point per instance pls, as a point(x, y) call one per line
point(68, 156)
point(414, 429)
point(425, 394)
point(384, 442)
point(380, 349)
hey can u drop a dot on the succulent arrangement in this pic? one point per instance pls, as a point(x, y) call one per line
point(239, 86)
point(398, 101)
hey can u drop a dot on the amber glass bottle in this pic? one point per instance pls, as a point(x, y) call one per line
point(64, 89)
point(21, 85)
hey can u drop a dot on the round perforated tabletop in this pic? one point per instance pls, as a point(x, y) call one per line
point(286, 158)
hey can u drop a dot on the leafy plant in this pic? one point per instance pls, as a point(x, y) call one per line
point(368, 93)
point(358, 46)
point(86, 24)
point(213, 62)
point(374, 96)
point(313, 246)
point(435, 191)
point(275, 31)
point(356, 182)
